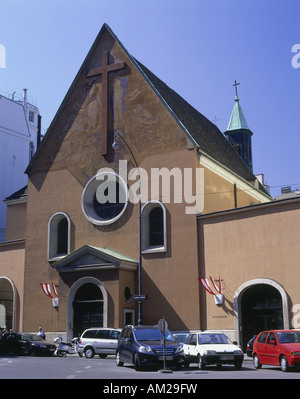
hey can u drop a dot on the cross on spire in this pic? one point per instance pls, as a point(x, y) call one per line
point(236, 85)
point(104, 71)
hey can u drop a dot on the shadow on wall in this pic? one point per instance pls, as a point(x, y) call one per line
point(156, 307)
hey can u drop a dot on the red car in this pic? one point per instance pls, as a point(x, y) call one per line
point(277, 348)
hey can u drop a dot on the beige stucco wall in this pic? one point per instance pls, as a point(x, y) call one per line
point(255, 243)
point(12, 259)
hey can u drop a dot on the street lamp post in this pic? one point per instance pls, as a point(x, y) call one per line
point(115, 146)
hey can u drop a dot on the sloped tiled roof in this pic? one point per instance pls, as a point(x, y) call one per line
point(208, 137)
point(21, 193)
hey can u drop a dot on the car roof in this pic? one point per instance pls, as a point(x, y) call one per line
point(280, 330)
point(143, 327)
point(103, 328)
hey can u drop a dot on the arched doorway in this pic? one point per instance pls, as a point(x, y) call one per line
point(261, 307)
point(87, 306)
point(7, 303)
point(260, 304)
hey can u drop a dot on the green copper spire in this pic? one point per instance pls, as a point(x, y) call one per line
point(238, 133)
point(237, 119)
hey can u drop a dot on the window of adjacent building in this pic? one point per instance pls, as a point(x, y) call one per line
point(58, 236)
point(154, 227)
point(31, 150)
point(31, 116)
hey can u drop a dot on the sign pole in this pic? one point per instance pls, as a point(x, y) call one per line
point(163, 326)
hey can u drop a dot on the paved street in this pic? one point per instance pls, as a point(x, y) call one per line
point(73, 368)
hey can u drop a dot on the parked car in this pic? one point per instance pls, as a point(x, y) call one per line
point(277, 347)
point(98, 341)
point(207, 348)
point(142, 346)
point(25, 344)
point(250, 346)
point(181, 336)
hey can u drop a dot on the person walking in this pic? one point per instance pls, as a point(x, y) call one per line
point(41, 333)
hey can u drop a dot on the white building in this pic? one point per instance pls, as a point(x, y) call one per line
point(20, 133)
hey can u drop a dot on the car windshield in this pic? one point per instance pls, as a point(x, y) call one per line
point(213, 339)
point(181, 337)
point(152, 334)
point(288, 337)
point(33, 337)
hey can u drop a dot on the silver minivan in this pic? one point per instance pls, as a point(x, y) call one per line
point(100, 341)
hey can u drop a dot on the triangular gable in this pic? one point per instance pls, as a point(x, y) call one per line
point(89, 257)
point(202, 133)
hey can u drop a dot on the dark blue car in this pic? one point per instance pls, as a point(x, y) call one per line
point(25, 344)
point(143, 346)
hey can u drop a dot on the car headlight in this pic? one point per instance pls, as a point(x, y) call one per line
point(237, 352)
point(179, 349)
point(210, 353)
point(295, 353)
point(145, 348)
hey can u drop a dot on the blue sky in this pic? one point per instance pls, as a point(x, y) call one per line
point(198, 47)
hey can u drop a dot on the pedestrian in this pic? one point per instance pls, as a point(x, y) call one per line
point(41, 333)
point(5, 330)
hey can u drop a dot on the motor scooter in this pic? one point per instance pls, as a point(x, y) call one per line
point(63, 348)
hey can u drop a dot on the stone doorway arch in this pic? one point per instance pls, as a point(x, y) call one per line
point(277, 296)
point(7, 303)
point(103, 297)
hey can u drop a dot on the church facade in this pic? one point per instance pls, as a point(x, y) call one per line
point(133, 199)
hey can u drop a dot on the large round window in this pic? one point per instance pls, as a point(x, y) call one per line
point(104, 198)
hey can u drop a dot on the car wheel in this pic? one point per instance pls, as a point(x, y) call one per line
point(136, 363)
point(201, 363)
point(238, 365)
point(284, 363)
point(33, 352)
point(118, 361)
point(256, 362)
point(89, 353)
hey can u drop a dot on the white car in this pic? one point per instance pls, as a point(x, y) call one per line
point(211, 348)
point(98, 341)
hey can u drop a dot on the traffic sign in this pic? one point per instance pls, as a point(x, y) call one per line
point(140, 297)
point(162, 325)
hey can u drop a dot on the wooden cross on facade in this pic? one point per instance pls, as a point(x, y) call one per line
point(104, 71)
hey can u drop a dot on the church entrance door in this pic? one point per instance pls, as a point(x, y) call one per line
point(87, 308)
point(261, 306)
point(6, 303)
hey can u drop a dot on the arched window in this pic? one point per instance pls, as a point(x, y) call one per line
point(154, 237)
point(62, 237)
point(156, 227)
point(59, 233)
